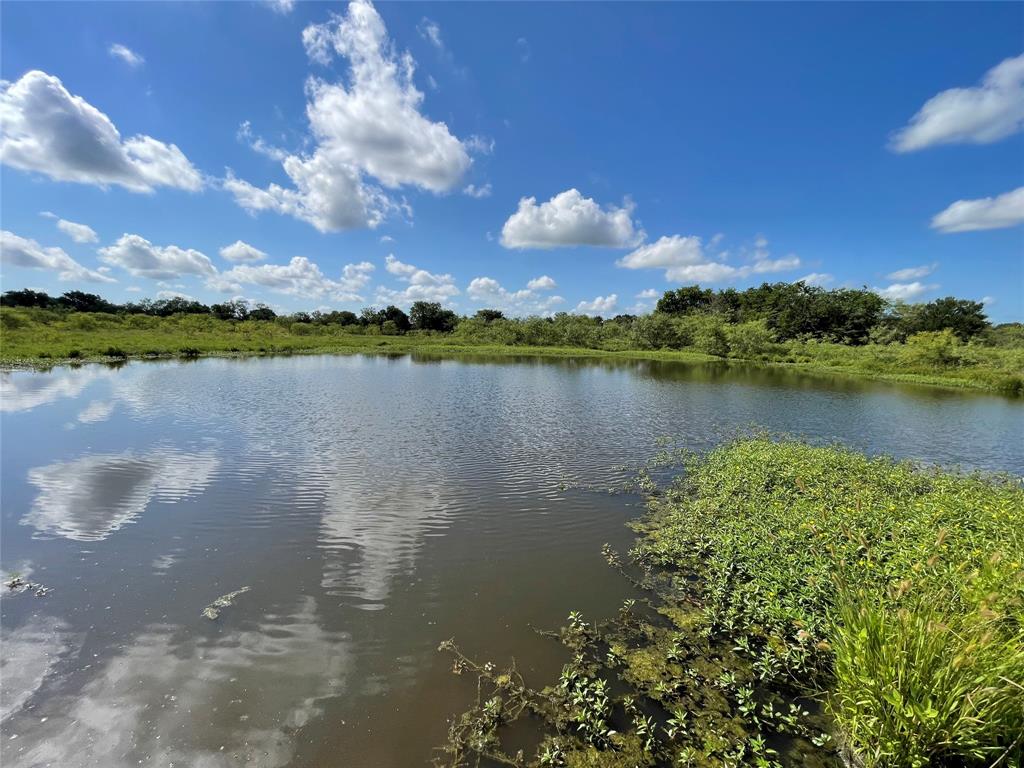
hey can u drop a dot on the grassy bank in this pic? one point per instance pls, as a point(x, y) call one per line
point(810, 606)
point(36, 336)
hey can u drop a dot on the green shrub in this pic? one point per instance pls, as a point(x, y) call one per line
point(938, 348)
point(749, 340)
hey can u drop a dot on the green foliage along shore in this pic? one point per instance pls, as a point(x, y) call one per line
point(948, 341)
point(807, 606)
point(900, 589)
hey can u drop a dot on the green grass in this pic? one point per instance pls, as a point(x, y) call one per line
point(899, 589)
point(34, 337)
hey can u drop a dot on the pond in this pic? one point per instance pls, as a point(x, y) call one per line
point(373, 507)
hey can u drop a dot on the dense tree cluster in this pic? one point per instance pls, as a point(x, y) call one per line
point(726, 322)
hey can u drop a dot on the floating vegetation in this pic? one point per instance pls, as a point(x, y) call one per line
point(212, 611)
point(805, 606)
point(17, 584)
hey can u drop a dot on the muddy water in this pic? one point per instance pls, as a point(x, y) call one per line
point(373, 507)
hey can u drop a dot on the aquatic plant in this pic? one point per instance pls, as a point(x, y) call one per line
point(806, 606)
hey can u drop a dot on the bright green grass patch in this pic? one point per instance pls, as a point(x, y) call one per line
point(900, 589)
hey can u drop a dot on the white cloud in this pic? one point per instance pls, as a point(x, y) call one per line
point(240, 251)
point(140, 258)
point(904, 291)
point(371, 129)
point(820, 279)
point(299, 277)
point(648, 293)
point(601, 305)
point(569, 219)
point(667, 252)
point(542, 283)
point(80, 233)
point(480, 145)
point(431, 31)
point(982, 114)
point(387, 239)
point(912, 273)
point(685, 259)
point(765, 266)
point(48, 130)
point(487, 291)
point(174, 295)
point(1006, 210)
point(22, 252)
point(283, 7)
point(523, 47)
point(126, 54)
point(474, 191)
point(421, 284)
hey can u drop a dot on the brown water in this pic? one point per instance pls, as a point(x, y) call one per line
point(374, 506)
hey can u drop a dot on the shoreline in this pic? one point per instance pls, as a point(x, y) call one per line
point(397, 345)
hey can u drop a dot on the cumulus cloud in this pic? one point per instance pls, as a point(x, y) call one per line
point(486, 291)
point(648, 293)
point(22, 252)
point(299, 277)
point(1006, 210)
point(474, 191)
point(982, 114)
point(542, 283)
point(905, 291)
point(48, 130)
point(601, 305)
point(126, 54)
point(240, 252)
point(283, 7)
point(569, 219)
point(820, 279)
point(912, 273)
point(367, 134)
point(140, 258)
point(685, 259)
point(80, 233)
point(421, 285)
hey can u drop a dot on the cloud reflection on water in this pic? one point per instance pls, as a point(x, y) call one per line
point(89, 498)
point(170, 699)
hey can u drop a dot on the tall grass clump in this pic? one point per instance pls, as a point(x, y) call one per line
point(898, 590)
point(921, 685)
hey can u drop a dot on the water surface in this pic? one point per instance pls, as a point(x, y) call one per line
point(374, 506)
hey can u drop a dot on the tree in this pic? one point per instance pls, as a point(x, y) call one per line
point(344, 317)
point(396, 316)
point(685, 300)
point(230, 310)
point(963, 317)
point(489, 315)
point(263, 312)
point(27, 298)
point(431, 316)
point(78, 301)
point(370, 316)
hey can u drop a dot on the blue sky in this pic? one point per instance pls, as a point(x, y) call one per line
point(536, 157)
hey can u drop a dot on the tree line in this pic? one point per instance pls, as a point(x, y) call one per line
point(687, 316)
